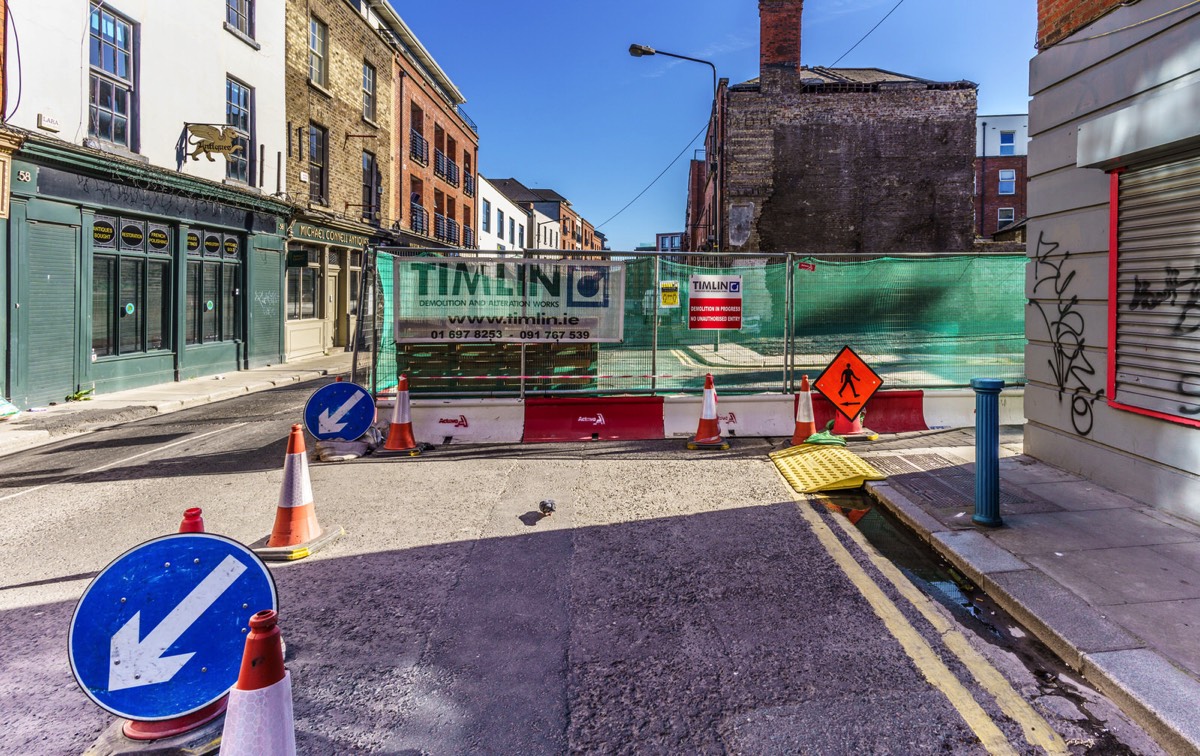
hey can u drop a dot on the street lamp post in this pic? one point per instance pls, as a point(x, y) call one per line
point(639, 51)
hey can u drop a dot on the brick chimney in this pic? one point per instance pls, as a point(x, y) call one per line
point(779, 35)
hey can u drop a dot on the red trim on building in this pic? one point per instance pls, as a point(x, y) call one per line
point(1114, 187)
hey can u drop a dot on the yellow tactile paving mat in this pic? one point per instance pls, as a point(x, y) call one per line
point(814, 467)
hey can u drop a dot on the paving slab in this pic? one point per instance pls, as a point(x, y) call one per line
point(1125, 575)
point(1060, 532)
point(1142, 679)
point(1080, 496)
point(976, 555)
point(1174, 626)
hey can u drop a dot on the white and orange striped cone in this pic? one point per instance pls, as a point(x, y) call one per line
point(296, 532)
point(259, 721)
point(805, 424)
point(708, 432)
point(400, 433)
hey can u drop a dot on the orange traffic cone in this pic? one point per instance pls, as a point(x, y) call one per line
point(844, 427)
point(400, 434)
point(296, 532)
point(708, 432)
point(259, 721)
point(805, 425)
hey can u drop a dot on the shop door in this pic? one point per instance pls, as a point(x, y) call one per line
point(50, 313)
point(332, 310)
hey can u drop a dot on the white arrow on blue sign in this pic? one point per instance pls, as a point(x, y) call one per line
point(341, 410)
point(160, 632)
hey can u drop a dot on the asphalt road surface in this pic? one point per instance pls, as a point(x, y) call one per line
point(676, 602)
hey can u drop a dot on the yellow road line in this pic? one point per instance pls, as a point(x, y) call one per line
point(921, 653)
point(1037, 731)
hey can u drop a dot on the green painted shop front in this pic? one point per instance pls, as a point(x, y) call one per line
point(123, 276)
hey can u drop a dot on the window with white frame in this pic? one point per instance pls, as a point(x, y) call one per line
point(1005, 216)
point(240, 15)
point(318, 51)
point(111, 85)
point(1008, 143)
point(239, 113)
point(1008, 181)
point(485, 216)
point(368, 87)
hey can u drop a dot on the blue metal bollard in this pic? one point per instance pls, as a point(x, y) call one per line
point(987, 451)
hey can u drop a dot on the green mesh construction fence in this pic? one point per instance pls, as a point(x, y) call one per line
point(930, 322)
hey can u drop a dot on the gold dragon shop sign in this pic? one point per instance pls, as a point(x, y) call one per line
point(209, 140)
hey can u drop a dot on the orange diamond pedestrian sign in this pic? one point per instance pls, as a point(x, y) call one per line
point(848, 383)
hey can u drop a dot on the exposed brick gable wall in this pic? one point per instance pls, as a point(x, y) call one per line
point(1058, 19)
point(988, 201)
point(886, 171)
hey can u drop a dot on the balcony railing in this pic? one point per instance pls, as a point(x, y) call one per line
point(468, 237)
point(445, 168)
point(467, 119)
point(445, 229)
point(418, 219)
point(468, 184)
point(418, 148)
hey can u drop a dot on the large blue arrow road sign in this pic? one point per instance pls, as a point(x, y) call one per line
point(340, 410)
point(160, 632)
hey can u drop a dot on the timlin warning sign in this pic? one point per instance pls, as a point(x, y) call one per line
point(848, 383)
point(715, 303)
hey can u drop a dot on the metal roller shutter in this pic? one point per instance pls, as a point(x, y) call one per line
point(1158, 289)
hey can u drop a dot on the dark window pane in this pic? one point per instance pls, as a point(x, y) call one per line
point(229, 309)
point(308, 293)
point(103, 309)
point(132, 308)
point(120, 130)
point(194, 291)
point(158, 310)
point(208, 305)
point(355, 277)
point(293, 294)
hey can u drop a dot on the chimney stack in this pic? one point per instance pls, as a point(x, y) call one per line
point(779, 35)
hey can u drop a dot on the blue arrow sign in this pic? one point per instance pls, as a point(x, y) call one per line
point(160, 632)
point(340, 410)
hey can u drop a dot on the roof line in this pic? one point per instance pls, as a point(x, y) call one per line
point(390, 17)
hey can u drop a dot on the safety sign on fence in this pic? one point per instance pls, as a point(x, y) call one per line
point(715, 303)
point(504, 300)
point(668, 294)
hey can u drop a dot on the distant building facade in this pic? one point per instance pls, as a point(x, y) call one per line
point(812, 159)
point(669, 242)
point(1113, 323)
point(574, 232)
point(503, 224)
point(1001, 171)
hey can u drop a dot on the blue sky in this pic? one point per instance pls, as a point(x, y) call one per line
point(561, 104)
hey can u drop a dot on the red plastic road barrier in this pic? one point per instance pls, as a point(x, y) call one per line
point(888, 411)
point(623, 418)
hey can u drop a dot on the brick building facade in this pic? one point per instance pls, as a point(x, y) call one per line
point(1001, 172)
point(1057, 19)
point(839, 160)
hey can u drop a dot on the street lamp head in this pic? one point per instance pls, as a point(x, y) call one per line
point(638, 51)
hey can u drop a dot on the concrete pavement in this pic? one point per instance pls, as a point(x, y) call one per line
point(1111, 584)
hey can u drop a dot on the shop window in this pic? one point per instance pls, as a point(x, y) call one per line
point(131, 286)
point(303, 289)
point(214, 274)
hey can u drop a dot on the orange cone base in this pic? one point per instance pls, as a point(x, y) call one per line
point(383, 451)
point(203, 738)
point(803, 432)
point(137, 730)
point(292, 552)
point(852, 431)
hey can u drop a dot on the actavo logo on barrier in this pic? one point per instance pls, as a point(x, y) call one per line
point(715, 303)
point(597, 420)
point(457, 422)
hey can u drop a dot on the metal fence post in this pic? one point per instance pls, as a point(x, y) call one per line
point(987, 451)
point(788, 298)
point(654, 326)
